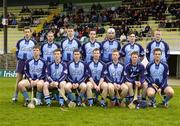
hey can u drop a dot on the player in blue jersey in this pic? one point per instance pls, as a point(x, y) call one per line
point(88, 47)
point(115, 78)
point(135, 76)
point(77, 75)
point(130, 47)
point(109, 45)
point(96, 73)
point(157, 75)
point(35, 72)
point(158, 42)
point(56, 75)
point(69, 44)
point(24, 51)
point(48, 48)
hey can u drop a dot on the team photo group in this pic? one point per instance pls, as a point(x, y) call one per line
point(106, 73)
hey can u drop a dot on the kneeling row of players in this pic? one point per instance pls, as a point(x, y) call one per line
point(112, 80)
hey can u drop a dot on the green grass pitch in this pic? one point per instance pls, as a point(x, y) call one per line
point(17, 115)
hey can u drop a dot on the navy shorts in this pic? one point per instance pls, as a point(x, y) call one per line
point(162, 89)
point(20, 66)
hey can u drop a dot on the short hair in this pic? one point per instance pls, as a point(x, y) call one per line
point(96, 49)
point(57, 50)
point(92, 29)
point(70, 27)
point(134, 53)
point(36, 47)
point(111, 30)
point(131, 32)
point(76, 50)
point(50, 32)
point(157, 49)
point(115, 50)
point(158, 30)
point(27, 27)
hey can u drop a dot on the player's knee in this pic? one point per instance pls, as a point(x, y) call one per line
point(89, 85)
point(20, 85)
point(129, 85)
point(111, 88)
point(62, 84)
point(46, 85)
point(40, 85)
point(170, 92)
point(104, 86)
point(83, 86)
point(150, 93)
point(145, 85)
point(67, 88)
point(125, 88)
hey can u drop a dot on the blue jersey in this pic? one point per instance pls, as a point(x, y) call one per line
point(87, 50)
point(68, 46)
point(77, 72)
point(35, 69)
point(115, 73)
point(157, 73)
point(57, 72)
point(96, 70)
point(135, 72)
point(47, 51)
point(24, 49)
point(154, 44)
point(128, 48)
point(107, 48)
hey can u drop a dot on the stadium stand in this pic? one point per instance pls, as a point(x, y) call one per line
point(142, 17)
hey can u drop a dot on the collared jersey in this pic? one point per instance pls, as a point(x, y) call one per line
point(162, 45)
point(107, 48)
point(24, 49)
point(128, 48)
point(35, 69)
point(68, 46)
point(87, 50)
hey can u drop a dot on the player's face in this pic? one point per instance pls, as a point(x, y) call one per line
point(50, 37)
point(70, 32)
point(134, 58)
point(157, 55)
point(27, 33)
point(92, 35)
point(57, 55)
point(111, 35)
point(96, 55)
point(36, 52)
point(157, 35)
point(77, 56)
point(132, 38)
point(115, 56)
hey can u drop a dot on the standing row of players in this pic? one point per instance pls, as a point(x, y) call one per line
point(24, 52)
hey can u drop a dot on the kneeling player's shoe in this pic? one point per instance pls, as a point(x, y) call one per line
point(79, 104)
point(90, 105)
point(164, 104)
point(103, 105)
point(26, 103)
point(14, 100)
point(152, 104)
point(37, 101)
point(143, 104)
point(48, 105)
point(90, 102)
